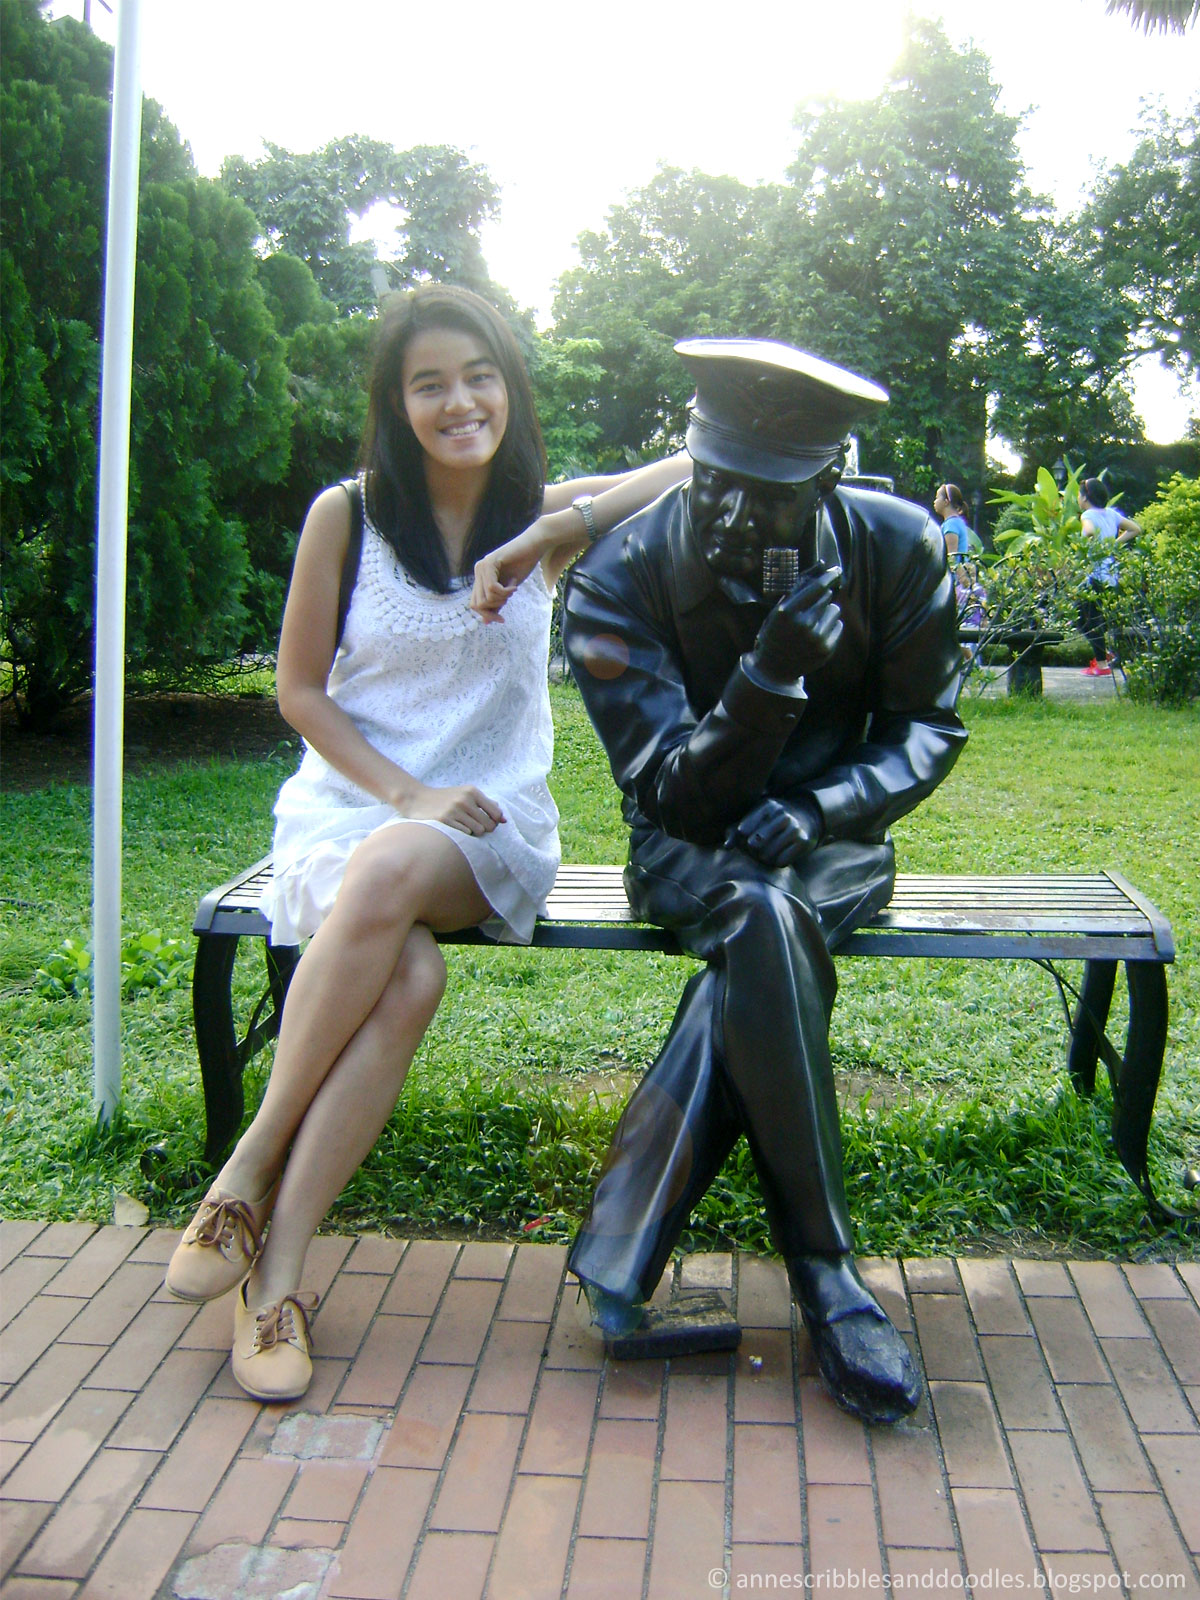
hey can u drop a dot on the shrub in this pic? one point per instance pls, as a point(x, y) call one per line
point(1154, 612)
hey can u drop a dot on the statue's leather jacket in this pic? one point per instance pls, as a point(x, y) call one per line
point(664, 660)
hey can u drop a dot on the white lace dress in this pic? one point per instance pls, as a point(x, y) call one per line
point(452, 700)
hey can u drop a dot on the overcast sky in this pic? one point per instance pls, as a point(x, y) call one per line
point(570, 106)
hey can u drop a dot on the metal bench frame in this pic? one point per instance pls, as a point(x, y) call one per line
point(1099, 919)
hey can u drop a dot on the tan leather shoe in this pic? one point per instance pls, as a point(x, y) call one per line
point(219, 1246)
point(270, 1356)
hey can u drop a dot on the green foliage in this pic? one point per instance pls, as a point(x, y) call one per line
point(567, 377)
point(1154, 612)
point(148, 961)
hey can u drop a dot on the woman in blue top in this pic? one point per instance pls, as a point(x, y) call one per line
point(950, 505)
point(1101, 523)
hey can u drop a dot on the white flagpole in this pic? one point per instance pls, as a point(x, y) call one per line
point(112, 526)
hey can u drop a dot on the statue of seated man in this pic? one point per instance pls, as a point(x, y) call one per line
point(772, 665)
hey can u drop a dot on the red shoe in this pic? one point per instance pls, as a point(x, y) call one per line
point(1095, 670)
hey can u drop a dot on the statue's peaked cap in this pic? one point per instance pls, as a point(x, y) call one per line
point(766, 410)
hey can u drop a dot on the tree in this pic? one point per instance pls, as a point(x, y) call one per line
point(1172, 16)
point(306, 205)
point(1138, 233)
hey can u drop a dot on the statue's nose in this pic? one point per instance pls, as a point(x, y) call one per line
point(737, 510)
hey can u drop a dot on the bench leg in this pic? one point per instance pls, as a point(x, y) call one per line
point(1088, 1023)
point(1137, 1083)
point(216, 1040)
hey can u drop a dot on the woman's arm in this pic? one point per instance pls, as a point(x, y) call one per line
point(560, 532)
point(1127, 530)
point(306, 649)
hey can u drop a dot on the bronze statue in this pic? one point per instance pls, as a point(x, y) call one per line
point(771, 663)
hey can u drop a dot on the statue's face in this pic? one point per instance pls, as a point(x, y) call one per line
point(736, 518)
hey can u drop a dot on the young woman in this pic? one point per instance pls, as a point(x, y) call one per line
point(421, 802)
point(950, 505)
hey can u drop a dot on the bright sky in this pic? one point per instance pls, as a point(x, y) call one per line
point(570, 106)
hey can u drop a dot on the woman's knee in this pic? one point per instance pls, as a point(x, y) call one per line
point(418, 982)
point(385, 876)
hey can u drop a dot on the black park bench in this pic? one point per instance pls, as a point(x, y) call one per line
point(1099, 919)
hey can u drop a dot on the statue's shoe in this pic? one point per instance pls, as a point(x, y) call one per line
point(612, 1316)
point(865, 1363)
point(219, 1246)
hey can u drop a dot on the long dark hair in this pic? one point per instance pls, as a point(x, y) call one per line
point(397, 495)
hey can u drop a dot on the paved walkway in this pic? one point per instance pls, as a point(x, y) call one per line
point(1061, 683)
point(464, 1438)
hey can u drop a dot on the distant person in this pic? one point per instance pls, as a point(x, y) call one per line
point(1101, 523)
point(421, 803)
point(951, 507)
point(970, 598)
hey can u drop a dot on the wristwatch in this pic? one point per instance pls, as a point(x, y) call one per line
point(583, 504)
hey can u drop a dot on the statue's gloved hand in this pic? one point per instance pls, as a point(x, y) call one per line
point(778, 832)
point(802, 631)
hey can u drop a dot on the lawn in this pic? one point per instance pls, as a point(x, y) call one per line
point(959, 1131)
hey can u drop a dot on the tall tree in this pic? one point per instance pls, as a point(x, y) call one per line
point(1172, 16)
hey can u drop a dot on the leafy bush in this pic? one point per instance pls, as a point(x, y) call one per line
point(148, 961)
point(1154, 612)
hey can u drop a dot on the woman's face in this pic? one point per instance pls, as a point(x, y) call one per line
point(454, 397)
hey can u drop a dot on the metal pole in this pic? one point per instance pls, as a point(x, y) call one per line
point(112, 526)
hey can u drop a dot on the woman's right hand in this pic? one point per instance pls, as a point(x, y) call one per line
point(463, 807)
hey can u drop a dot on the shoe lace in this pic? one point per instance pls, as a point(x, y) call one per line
point(277, 1324)
point(222, 1221)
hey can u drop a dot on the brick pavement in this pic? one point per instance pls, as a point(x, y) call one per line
point(464, 1438)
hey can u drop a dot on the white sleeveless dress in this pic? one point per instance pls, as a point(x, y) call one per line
point(452, 700)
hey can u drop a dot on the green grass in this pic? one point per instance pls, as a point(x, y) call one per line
point(958, 1128)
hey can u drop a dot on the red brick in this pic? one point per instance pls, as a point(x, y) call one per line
point(19, 1523)
point(1107, 1445)
point(1189, 1272)
point(970, 1435)
point(936, 1275)
point(417, 1286)
point(289, 1534)
point(572, 1344)
point(913, 1505)
point(167, 1401)
point(764, 1296)
point(114, 1307)
point(201, 1455)
point(841, 1534)
point(80, 1528)
point(694, 1441)
point(40, 1589)
point(995, 1540)
point(707, 1269)
point(835, 1444)
point(1176, 1459)
point(1087, 1573)
point(560, 1427)
point(993, 1297)
point(1143, 1540)
point(607, 1569)
point(140, 1556)
point(766, 1484)
point(478, 1479)
point(326, 1382)
point(1058, 1500)
point(1147, 1387)
point(1110, 1304)
point(933, 1571)
point(90, 1267)
point(947, 1343)
point(1154, 1280)
point(764, 1392)
point(1023, 1392)
point(633, 1389)
point(380, 1544)
point(482, 1260)
point(62, 1239)
point(689, 1540)
point(451, 1564)
point(882, 1275)
point(1177, 1324)
point(535, 1541)
point(324, 1261)
point(534, 1279)
point(509, 1368)
point(616, 1496)
point(462, 1323)
point(156, 1244)
point(1067, 1341)
point(381, 1368)
point(212, 1326)
point(373, 1252)
point(11, 1451)
point(766, 1567)
point(15, 1236)
point(1043, 1278)
point(32, 1331)
point(243, 1508)
point(50, 1467)
point(45, 1388)
point(428, 1415)
point(346, 1313)
point(141, 1348)
point(20, 1282)
point(327, 1490)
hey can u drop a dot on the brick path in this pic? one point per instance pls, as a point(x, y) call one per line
point(463, 1437)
